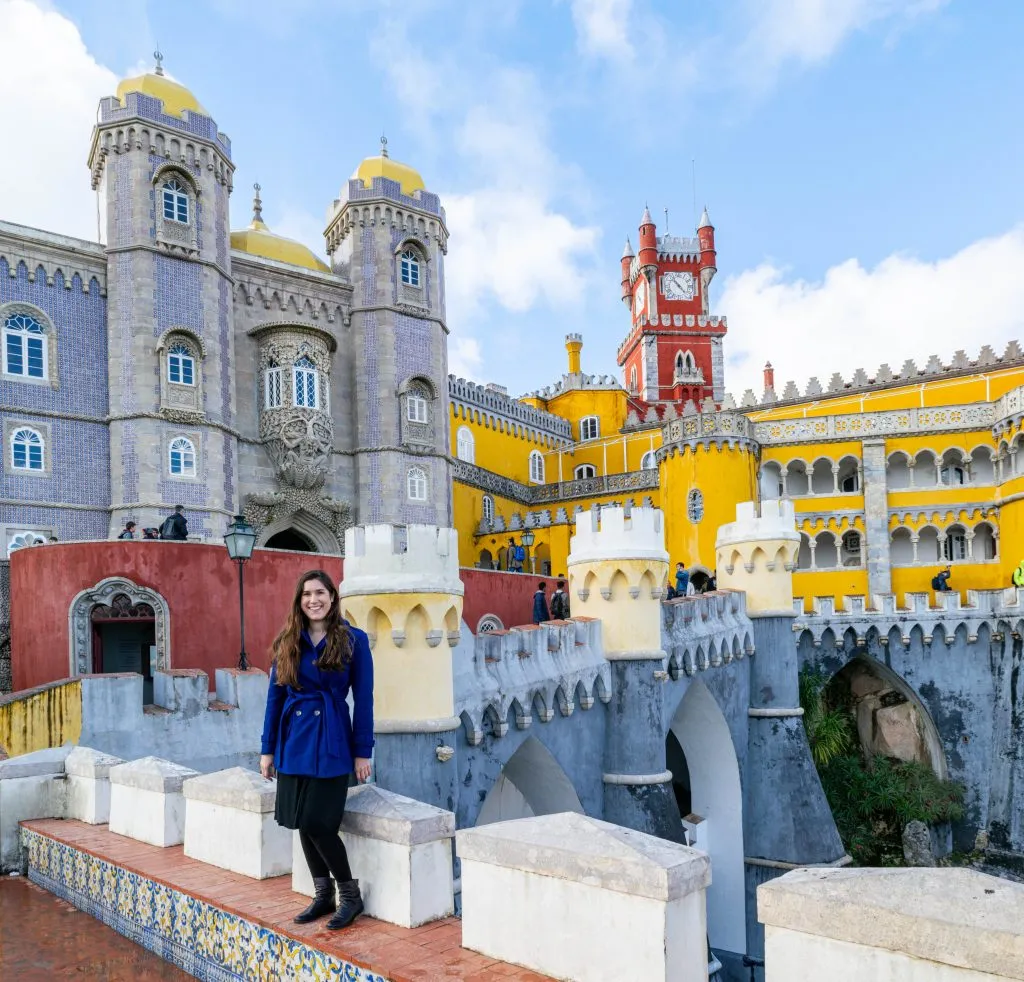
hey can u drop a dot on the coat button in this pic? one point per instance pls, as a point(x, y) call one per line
point(316, 712)
point(298, 712)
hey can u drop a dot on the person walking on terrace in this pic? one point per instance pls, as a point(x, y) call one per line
point(175, 526)
point(312, 743)
point(540, 604)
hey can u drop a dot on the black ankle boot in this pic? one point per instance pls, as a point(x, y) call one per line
point(350, 907)
point(323, 901)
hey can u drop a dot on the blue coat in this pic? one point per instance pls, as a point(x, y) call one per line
point(308, 729)
point(540, 607)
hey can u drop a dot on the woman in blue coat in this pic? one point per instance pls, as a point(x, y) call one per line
point(312, 743)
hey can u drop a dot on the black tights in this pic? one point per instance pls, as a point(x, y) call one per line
point(326, 855)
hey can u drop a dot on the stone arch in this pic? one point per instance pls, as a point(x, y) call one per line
point(879, 680)
point(80, 654)
point(531, 783)
point(308, 527)
point(715, 794)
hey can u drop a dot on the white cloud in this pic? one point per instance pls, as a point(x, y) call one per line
point(858, 318)
point(810, 31)
point(42, 169)
point(602, 27)
point(465, 359)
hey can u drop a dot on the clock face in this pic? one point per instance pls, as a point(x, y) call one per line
point(638, 299)
point(677, 286)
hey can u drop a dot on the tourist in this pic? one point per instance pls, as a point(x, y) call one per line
point(940, 582)
point(540, 604)
point(52, 539)
point(560, 603)
point(312, 743)
point(682, 580)
point(175, 526)
point(128, 532)
point(516, 556)
point(712, 584)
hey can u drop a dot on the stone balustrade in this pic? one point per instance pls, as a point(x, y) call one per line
point(400, 850)
point(146, 800)
point(229, 822)
point(577, 898)
point(892, 925)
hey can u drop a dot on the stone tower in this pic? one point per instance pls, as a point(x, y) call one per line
point(387, 235)
point(757, 554)
point(164, 173)
point(402, 587)
point(673, 351)
point(618, 570)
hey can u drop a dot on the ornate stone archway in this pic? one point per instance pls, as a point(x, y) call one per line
point(80, 621)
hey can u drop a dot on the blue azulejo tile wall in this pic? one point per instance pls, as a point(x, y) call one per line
point(204, 940)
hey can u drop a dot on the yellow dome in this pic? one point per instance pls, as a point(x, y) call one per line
point(258, 240)
point(384, 166)
point(176, 98)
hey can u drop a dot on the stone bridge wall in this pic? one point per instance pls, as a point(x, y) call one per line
point(962, 663)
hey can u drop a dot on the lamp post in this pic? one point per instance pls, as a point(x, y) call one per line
point(527, 540)
point(240, 538)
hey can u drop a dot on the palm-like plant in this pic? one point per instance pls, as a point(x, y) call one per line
point(830, 728)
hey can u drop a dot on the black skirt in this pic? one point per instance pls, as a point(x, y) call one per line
point(312, 804)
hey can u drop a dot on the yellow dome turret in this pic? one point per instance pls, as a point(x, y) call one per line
point(383, 166)
point(175, 97)
point(258, 240)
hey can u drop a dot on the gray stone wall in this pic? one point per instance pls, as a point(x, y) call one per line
point(5, 627)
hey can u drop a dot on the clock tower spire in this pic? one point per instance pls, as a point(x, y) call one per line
point(673, 350)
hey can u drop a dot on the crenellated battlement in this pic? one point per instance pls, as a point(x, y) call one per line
point(880, 616)
point(613, 533)
point(401, 559)
point(531, 674)
point(704, 632)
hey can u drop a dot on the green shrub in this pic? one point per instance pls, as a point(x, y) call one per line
point(871, 800)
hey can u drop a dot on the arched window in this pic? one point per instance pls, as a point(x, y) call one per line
point(585, 471)
point(648, 462)
point(487, 508)
point(695, 505)
point(272, 387)
point(679, 363)
point(182, 457)
point(590, 428)
point(175, 201)
point(27, 450)
point(465, 445)
point(955, 546)
point(306, 384)
point(20, 540)
point(24, 346)
point(181, 365)
point(417, 484)
point(632, 379)
point(536, 467)
point(410, 268)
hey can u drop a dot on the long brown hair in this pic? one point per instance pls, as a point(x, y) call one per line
point(286, 649)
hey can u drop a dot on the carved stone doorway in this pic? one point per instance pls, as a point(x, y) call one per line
point(112, 600)
point(290, 539)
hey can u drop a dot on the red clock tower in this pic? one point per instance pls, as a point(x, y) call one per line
point(673, 351)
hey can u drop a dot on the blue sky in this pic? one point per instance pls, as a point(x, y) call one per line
point(861, 159)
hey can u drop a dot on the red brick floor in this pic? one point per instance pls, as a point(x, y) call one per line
point(44, 938)
point(431, 953)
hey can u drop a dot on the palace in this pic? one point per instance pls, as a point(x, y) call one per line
point(237, 372)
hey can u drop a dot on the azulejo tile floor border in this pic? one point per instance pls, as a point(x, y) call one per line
point(200, 938)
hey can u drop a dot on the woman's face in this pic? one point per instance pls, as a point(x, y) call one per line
point(316, 600)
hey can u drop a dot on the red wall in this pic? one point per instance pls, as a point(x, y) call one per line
point(507, 595)
point(199, 583)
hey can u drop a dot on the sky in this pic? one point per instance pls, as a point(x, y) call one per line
point(861, 160)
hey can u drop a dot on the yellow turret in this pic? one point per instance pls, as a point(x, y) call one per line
point(574, 345)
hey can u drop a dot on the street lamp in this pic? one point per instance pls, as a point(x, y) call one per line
point(240, 539)
point(527, 539)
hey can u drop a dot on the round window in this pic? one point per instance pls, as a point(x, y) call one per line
point(695, 506)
